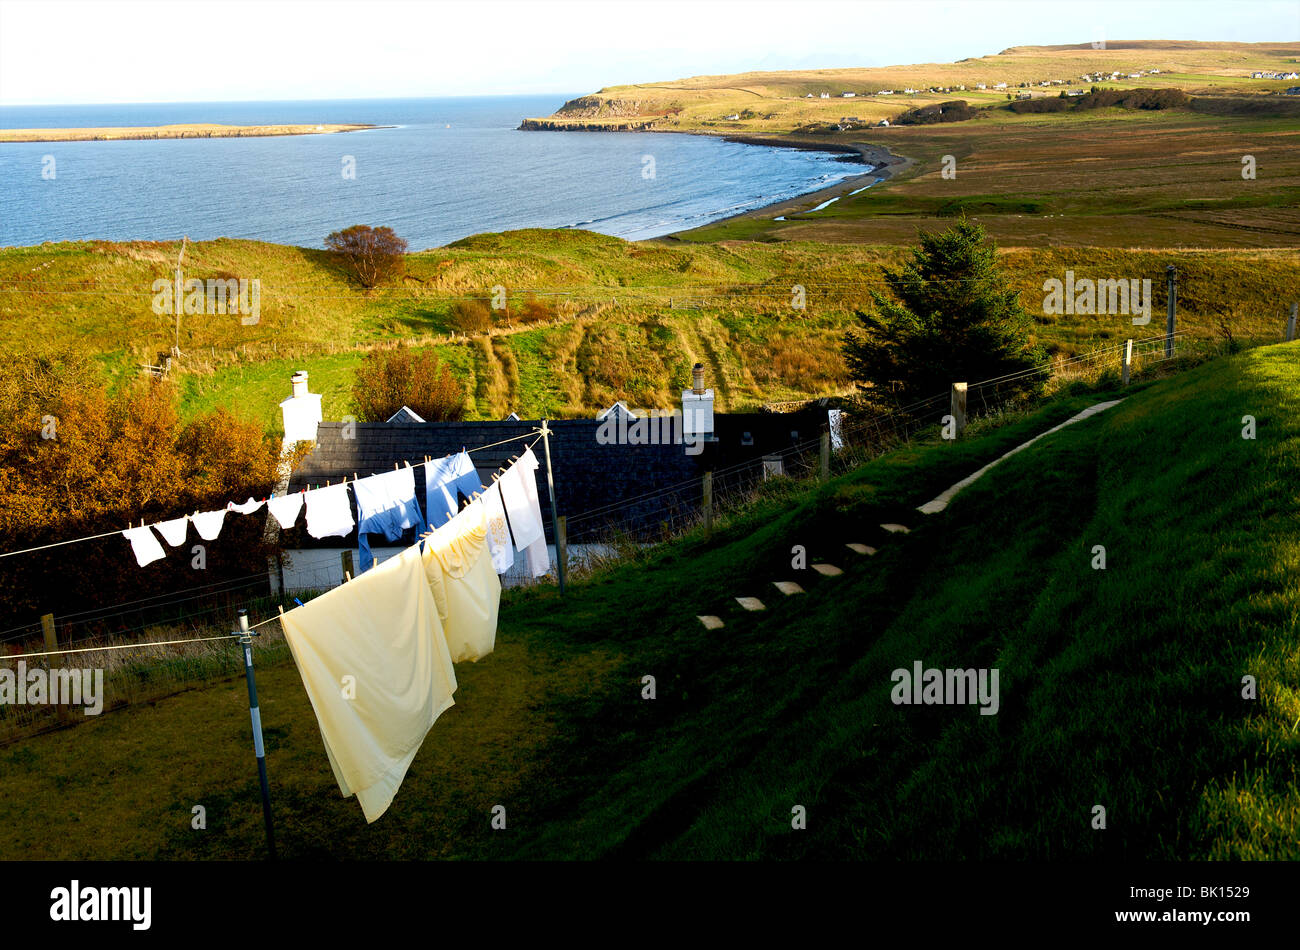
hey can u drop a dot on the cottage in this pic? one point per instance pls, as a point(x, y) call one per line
point(980, 85)
point(622, 473)
point(825, 95)
point(847, 95)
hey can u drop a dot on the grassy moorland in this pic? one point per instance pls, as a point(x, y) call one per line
point(591, 319)
point(1108, 177)
point(1119, 687)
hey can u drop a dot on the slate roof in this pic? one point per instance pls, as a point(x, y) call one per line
point(600, 488)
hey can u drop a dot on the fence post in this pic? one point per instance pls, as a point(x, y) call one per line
point(959, 408)
point(562, 545)
point(346, 559)
point(1171, 282)
point(1127, 362)
point(1290, 324)
point(47, 627)
point(826, 456)
point(708, 503)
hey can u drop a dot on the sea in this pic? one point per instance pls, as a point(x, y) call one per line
point(441, 169)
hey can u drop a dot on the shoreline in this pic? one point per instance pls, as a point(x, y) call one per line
point(178, 131)
point(883, 164)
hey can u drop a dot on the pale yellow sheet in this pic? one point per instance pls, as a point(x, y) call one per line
point(464, 584)
point(383, 629)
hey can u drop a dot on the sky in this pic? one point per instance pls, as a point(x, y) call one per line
point(74, 51)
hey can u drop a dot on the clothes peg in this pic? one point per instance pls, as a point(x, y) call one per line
point(281, 607)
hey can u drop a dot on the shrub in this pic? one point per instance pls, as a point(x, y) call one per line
point(387, 380)
point(372, 254)
point(470, 316)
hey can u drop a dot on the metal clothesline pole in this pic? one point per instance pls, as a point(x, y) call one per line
point(555, 514)
point(255, 713)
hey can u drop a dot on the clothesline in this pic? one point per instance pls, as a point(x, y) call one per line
point(123, 646)
point(108, 534)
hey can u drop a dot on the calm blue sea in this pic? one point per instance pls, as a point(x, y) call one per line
point(449, 168)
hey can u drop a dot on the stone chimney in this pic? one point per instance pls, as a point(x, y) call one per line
point(301, 412)
point(697, 406)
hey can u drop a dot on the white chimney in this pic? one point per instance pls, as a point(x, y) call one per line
point(697, 406)
point(301, 412)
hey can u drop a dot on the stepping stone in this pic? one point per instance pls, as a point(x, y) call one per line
point(710, 622)
point(860, 548)
point(787, 587)
point(829, 570)
point(750, 603)
point(896, 528)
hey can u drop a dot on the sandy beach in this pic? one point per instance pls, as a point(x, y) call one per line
point(198, 131)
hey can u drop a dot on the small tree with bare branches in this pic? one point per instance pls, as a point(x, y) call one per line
point(373, 254)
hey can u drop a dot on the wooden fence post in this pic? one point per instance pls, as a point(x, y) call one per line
point(959, 408)
point(562, 546)
point(47, 627)
point(1127, 362)
point(1290, 324)
point(1171, 282)
point(708, 503)
point(826, 456)
point(346, 559)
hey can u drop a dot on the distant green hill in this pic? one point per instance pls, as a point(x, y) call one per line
point(1119, 687)
point(590, 319)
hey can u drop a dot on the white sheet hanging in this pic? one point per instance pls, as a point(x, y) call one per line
point(285, 508)
point(498, 533)
point(247, 508)
point(144, 545)
point(208, 523)
point(174, 531)
point(329, 512)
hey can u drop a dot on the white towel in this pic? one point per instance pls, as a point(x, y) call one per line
point(498, 534)
point(329, 513)
point(539, 557)
point(145, 545)
point(173, 531)
point(285, 508)
point(208, 523)
point(525, 513)
point(247, 508)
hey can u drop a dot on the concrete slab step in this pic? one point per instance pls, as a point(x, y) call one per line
point(860, 548)
point(828, 570)
point(896, 528)
point(787, 587)
point(750, 603)
point(710, 622)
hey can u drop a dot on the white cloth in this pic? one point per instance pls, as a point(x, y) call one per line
point(208, 523)
point(498, 532)
point(539, 557)
point(374, 660)
point(285, 508)
point(145, 545)
point(329, 513)
point(524, 511)
point(174, 531)
point(386, 502)
point(247, 508)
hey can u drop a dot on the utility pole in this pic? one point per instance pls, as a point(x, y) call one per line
point(176, 297)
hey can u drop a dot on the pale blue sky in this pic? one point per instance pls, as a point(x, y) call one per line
point(69, 51)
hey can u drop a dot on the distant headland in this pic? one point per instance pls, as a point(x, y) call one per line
point(197, 131)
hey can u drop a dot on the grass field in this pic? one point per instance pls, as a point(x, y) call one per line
point(615, 320)
point(1120, 687)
